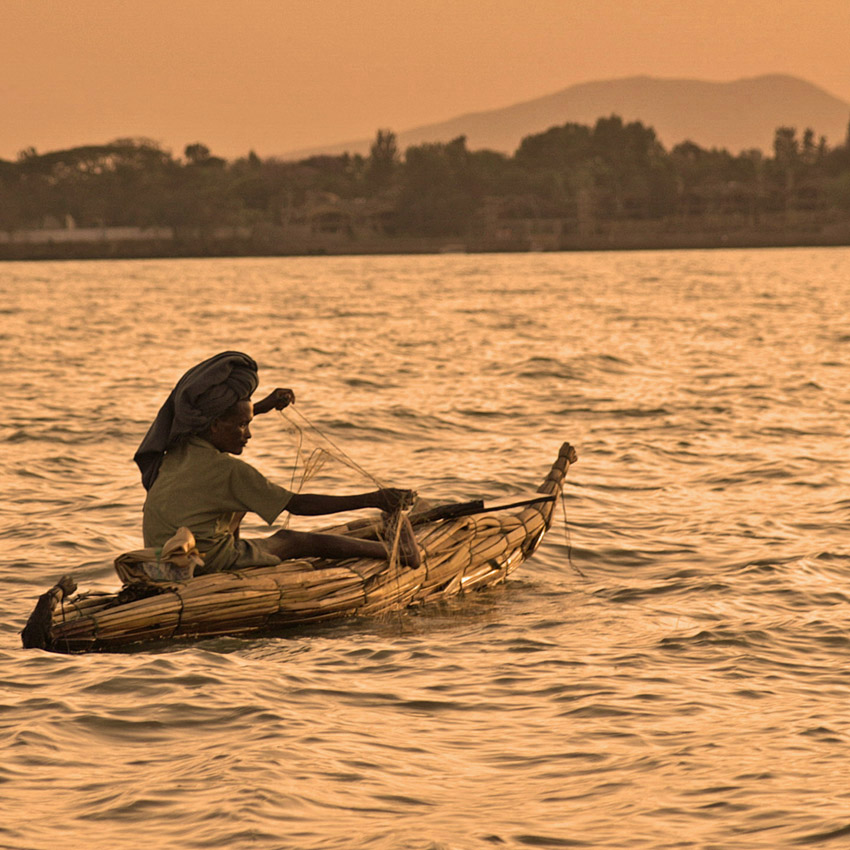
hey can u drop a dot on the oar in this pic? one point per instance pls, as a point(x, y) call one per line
point(477, 506)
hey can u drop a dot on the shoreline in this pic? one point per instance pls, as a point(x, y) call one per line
point(203, 249)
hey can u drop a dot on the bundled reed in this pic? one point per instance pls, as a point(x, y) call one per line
point(460, 553)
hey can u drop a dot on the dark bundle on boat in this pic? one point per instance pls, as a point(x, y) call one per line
point(464, 547)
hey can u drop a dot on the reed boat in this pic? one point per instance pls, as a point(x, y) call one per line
point(464, 547)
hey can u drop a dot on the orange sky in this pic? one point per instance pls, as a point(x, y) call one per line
point(278, 75)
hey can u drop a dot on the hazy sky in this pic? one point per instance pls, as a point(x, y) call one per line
point(278, 75)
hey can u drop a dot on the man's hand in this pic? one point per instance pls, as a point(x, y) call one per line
point(277, 399)
point(391, 499)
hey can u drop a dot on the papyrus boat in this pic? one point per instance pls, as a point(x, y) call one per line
point(464, 547)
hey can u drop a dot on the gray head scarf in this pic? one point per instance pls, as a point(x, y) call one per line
point(203, 394)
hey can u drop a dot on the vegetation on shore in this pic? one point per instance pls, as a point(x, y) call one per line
point(565, 187)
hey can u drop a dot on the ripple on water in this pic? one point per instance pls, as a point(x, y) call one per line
point(667, 672)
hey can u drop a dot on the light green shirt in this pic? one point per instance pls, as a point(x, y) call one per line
point(204, 489)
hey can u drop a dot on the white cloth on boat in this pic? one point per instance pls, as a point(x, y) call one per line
point(175, 561)
point(204, 393)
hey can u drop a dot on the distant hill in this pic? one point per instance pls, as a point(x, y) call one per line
point(737, 116)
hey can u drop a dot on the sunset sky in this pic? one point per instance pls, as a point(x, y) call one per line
point(278, 75)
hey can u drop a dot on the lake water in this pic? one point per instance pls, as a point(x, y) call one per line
point(668, 671)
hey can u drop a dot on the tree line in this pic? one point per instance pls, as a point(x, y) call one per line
point(582, 176)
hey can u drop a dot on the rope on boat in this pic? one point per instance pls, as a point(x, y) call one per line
point(179, 623)
point(567, 539)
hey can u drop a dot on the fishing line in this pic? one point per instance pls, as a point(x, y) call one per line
point(342, 456)
point(298, 447)
point(312, 465)
point(317, 459)
point(567, 539)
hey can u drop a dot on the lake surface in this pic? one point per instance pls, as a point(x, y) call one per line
point(668, 671)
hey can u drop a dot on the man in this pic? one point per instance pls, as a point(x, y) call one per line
point(194, 479)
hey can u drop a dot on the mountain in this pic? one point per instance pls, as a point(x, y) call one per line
point(737, 116)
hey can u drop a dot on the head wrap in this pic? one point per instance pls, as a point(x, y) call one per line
point(203, 394)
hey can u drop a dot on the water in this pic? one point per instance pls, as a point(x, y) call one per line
point(669, 672)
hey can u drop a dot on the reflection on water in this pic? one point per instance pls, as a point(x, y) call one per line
point(667, 671)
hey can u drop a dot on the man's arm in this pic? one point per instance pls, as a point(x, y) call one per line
point(314, 504)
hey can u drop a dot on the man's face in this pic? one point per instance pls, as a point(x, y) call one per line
point(231, 434)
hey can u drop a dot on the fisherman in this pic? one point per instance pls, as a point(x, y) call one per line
point(193, 479)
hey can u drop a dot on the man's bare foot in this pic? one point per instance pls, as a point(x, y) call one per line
point(397, 526)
